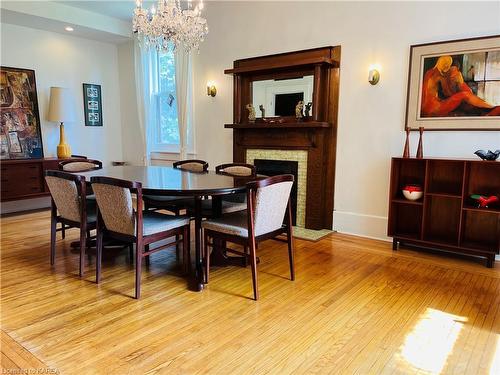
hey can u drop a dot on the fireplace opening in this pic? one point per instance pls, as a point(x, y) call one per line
point(277, 167)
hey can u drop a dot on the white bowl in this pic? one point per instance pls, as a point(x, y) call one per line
point(413, 195)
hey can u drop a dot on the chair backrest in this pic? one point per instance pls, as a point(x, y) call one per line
point(68, 194)
point(192, 165)
point(83, 165)
point(267, 202)
point(237, 169)
point(114, 199)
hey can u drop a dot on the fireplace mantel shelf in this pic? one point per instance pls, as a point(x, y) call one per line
point(263, 125)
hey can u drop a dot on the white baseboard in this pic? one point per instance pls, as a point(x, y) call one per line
point(369, 226)
point(24, 205)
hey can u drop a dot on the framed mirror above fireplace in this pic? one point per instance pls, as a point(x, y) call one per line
point(278, 82)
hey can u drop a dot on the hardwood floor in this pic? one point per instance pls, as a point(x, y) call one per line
point(355, 307)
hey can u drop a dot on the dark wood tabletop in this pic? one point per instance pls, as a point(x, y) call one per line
point(172, 181)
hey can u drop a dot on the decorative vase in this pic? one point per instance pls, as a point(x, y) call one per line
point(420, 148)
point(412, 192)
point(406, 151)
point(63, 149)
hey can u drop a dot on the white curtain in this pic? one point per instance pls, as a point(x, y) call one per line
point(146, 79)
point(183, 83)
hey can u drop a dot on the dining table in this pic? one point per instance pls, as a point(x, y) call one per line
point(169, 181)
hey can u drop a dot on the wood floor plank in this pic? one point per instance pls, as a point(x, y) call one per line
point(355, 307)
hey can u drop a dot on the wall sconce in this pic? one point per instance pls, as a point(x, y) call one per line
point(373, 74)
point(211, 89)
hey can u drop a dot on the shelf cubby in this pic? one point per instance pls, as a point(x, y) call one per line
point(407, 221)
point(442, 219)
point(445, 177)
point(409, 171)
point(481, 230)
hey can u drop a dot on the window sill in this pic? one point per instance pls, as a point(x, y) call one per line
point(169, 156)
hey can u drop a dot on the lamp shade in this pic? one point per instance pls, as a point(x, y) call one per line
point(61, 105)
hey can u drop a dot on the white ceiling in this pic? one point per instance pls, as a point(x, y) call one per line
point(122, 9)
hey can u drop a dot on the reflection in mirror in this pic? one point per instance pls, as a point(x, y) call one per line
point(279, 97)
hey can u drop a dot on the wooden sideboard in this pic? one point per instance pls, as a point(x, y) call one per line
point(24, 179)
point(446, 218)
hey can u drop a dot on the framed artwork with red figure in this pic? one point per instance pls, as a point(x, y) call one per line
point(455, 85)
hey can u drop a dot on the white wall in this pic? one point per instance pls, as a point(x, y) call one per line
point(67, 61)
point(371, 118)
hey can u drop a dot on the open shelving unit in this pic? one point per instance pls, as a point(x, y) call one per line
point(445, 218)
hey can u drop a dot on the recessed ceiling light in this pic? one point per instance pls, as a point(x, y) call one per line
point(68, 28)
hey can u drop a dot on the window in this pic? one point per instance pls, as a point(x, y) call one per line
point(166, 132)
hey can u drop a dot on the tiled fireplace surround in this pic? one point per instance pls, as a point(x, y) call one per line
point(300, 156)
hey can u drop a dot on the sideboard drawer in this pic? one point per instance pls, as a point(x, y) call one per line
point(21, 180)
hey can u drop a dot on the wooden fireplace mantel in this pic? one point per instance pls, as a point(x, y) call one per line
point(317, 135)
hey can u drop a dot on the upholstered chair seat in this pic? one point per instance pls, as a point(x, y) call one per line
point(119, 218)
point(154, 222)
point(70, 208)
point(268, 215)
point(235, 223)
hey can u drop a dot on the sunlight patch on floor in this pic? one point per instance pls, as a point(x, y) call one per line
point(495, 362)
point(431, 341)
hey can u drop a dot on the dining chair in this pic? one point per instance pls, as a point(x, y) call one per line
point(68, 197)
point(117, 218)
point(75, 166)
point(268, 204)
point(174, 204)
point(191, 165)
point(84, 165)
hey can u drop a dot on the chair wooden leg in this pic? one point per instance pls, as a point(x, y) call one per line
point(206, 256)
point(131, 253)
point(253, 263)
point(290, 242)
point(53, 228)
point(177, 251)
point(185, 249)
point(139, 250)
point(98, 261)
point(63, 231)
point(83, 246)
point(291, 258)
point(148, 261)
point(245, 259)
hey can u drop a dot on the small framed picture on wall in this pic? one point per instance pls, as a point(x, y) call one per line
point(92, 104)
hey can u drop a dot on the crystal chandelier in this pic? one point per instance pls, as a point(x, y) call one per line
point(168, 26)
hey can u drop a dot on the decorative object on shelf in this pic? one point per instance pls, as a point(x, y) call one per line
point(462, 68)
point(308, 109)
point(92, 104)
point(412, 192)
point(484, 201)
point(298, 110)
point(373, 75)
point(251, 113)
point(61, 109)
point(406, 151)
point(20, 134)
point(168, 25)
point(211, 89)
point(262, 111)
point(490, 155)
point(420, 148)
point(273, 120)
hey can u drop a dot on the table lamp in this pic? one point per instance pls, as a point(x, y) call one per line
point(61, 109)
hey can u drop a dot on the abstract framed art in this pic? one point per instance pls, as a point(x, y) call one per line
point(92, 104)
point(20, 134)
point(454, 85)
